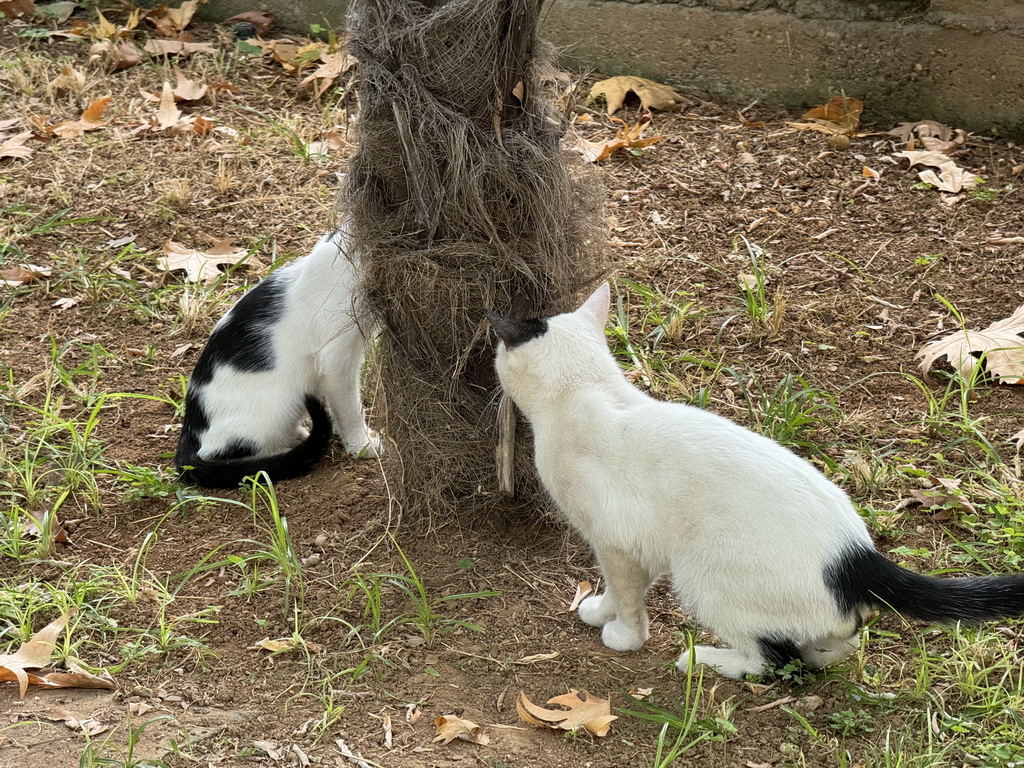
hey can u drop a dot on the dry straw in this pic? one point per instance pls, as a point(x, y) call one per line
point(459, 197)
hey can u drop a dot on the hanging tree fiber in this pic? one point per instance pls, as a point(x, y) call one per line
point(460, 196)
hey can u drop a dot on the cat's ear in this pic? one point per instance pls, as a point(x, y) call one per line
point(596, 307)
point(515, 332)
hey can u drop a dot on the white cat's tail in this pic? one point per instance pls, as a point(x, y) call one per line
point(863, 578)
point(228, 471)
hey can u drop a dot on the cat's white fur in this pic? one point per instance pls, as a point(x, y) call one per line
point(743, 527)
point(318, 346)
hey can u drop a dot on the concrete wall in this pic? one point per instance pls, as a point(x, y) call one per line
point(957, 61)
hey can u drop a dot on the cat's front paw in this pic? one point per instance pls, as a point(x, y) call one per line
point(371, 447)
point(620, 636)
point(725, 661)
point(596, 611)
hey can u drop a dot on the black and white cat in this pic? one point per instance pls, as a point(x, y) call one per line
point(290, 343)
point(760, 546)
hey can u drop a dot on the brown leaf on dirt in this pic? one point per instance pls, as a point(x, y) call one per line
point(652, 95)
point(15, 9)
point(581, 711)
point(945, 146)
point(943, 495)
point(843, 111)
point(260, 21)
point(187, 90)
point(177, 48)
point(332, 67)
point(1000, 346)
point(170, 21)
point(120, 55)
point(450, 727)
point(168, 114)
point(104, 29)
point(628, 138)
point(907, 132)
point(39, 520)
point(75, 721)
point(57, 12)
point(70, 79)
point(91, 120)
point(292, 56)
point(23, 273)
point(35, 654)
point(950, 176)
point(1018, 439)
point(583, 589)
point(200, 266)
point(15, 146)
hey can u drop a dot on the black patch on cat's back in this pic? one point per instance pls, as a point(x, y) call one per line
point(778, 651)
point(516, 332)
point(243, 340)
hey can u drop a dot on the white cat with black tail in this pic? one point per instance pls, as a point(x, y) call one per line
point(760, 547)
point(291, 343)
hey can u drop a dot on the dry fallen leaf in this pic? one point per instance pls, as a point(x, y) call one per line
point(652, 95)
point(36, 654)
point(178, 48)
point(15, 146)
point(200, 266)
point(261, 22)
point(923, 128)
point(187, 90)
point(1000, 346)
point(950, 177)
point(168, 114)
point(581, 711)
point(629, 138)
point(170, 21)
point(840, 110)
point(943, 495)
point(1018, 439)
point(23, 274)
point(70, 79)
point(450, 727)
point(13, 9)
point(91, 120)
point(583, 589)
point(332, 67)
point(39, 520)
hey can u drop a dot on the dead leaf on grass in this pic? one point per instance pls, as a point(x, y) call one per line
point(581, 711)
point(1018, 439)
point(841, 111)
point(450, 727)
point(168, 114)
point(626, 137)
point(91, 120)
point(177, 48)
point(332, 66)
point(58, 12)
point(76, 722)
point(36, 654)
point(652, 95)
point(910, 132)
point(1001, 346)
point(944, 496)
point(23, 274)
point(15, 9)
point(950, 177)
point(120, 55)
point(200, 266)
point(41, 518)
point(70, 79)
point(170, 21)
point(104, 29)
point(261, 22)
point(15, 147)
point(583, 589)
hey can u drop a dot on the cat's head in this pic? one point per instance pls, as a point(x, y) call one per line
point(537, 355)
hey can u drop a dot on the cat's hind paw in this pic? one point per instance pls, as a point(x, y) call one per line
point(727, 662)
point(621, 636)
point(596, 610)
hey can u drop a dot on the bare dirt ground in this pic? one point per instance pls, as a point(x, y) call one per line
point(853, 268)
